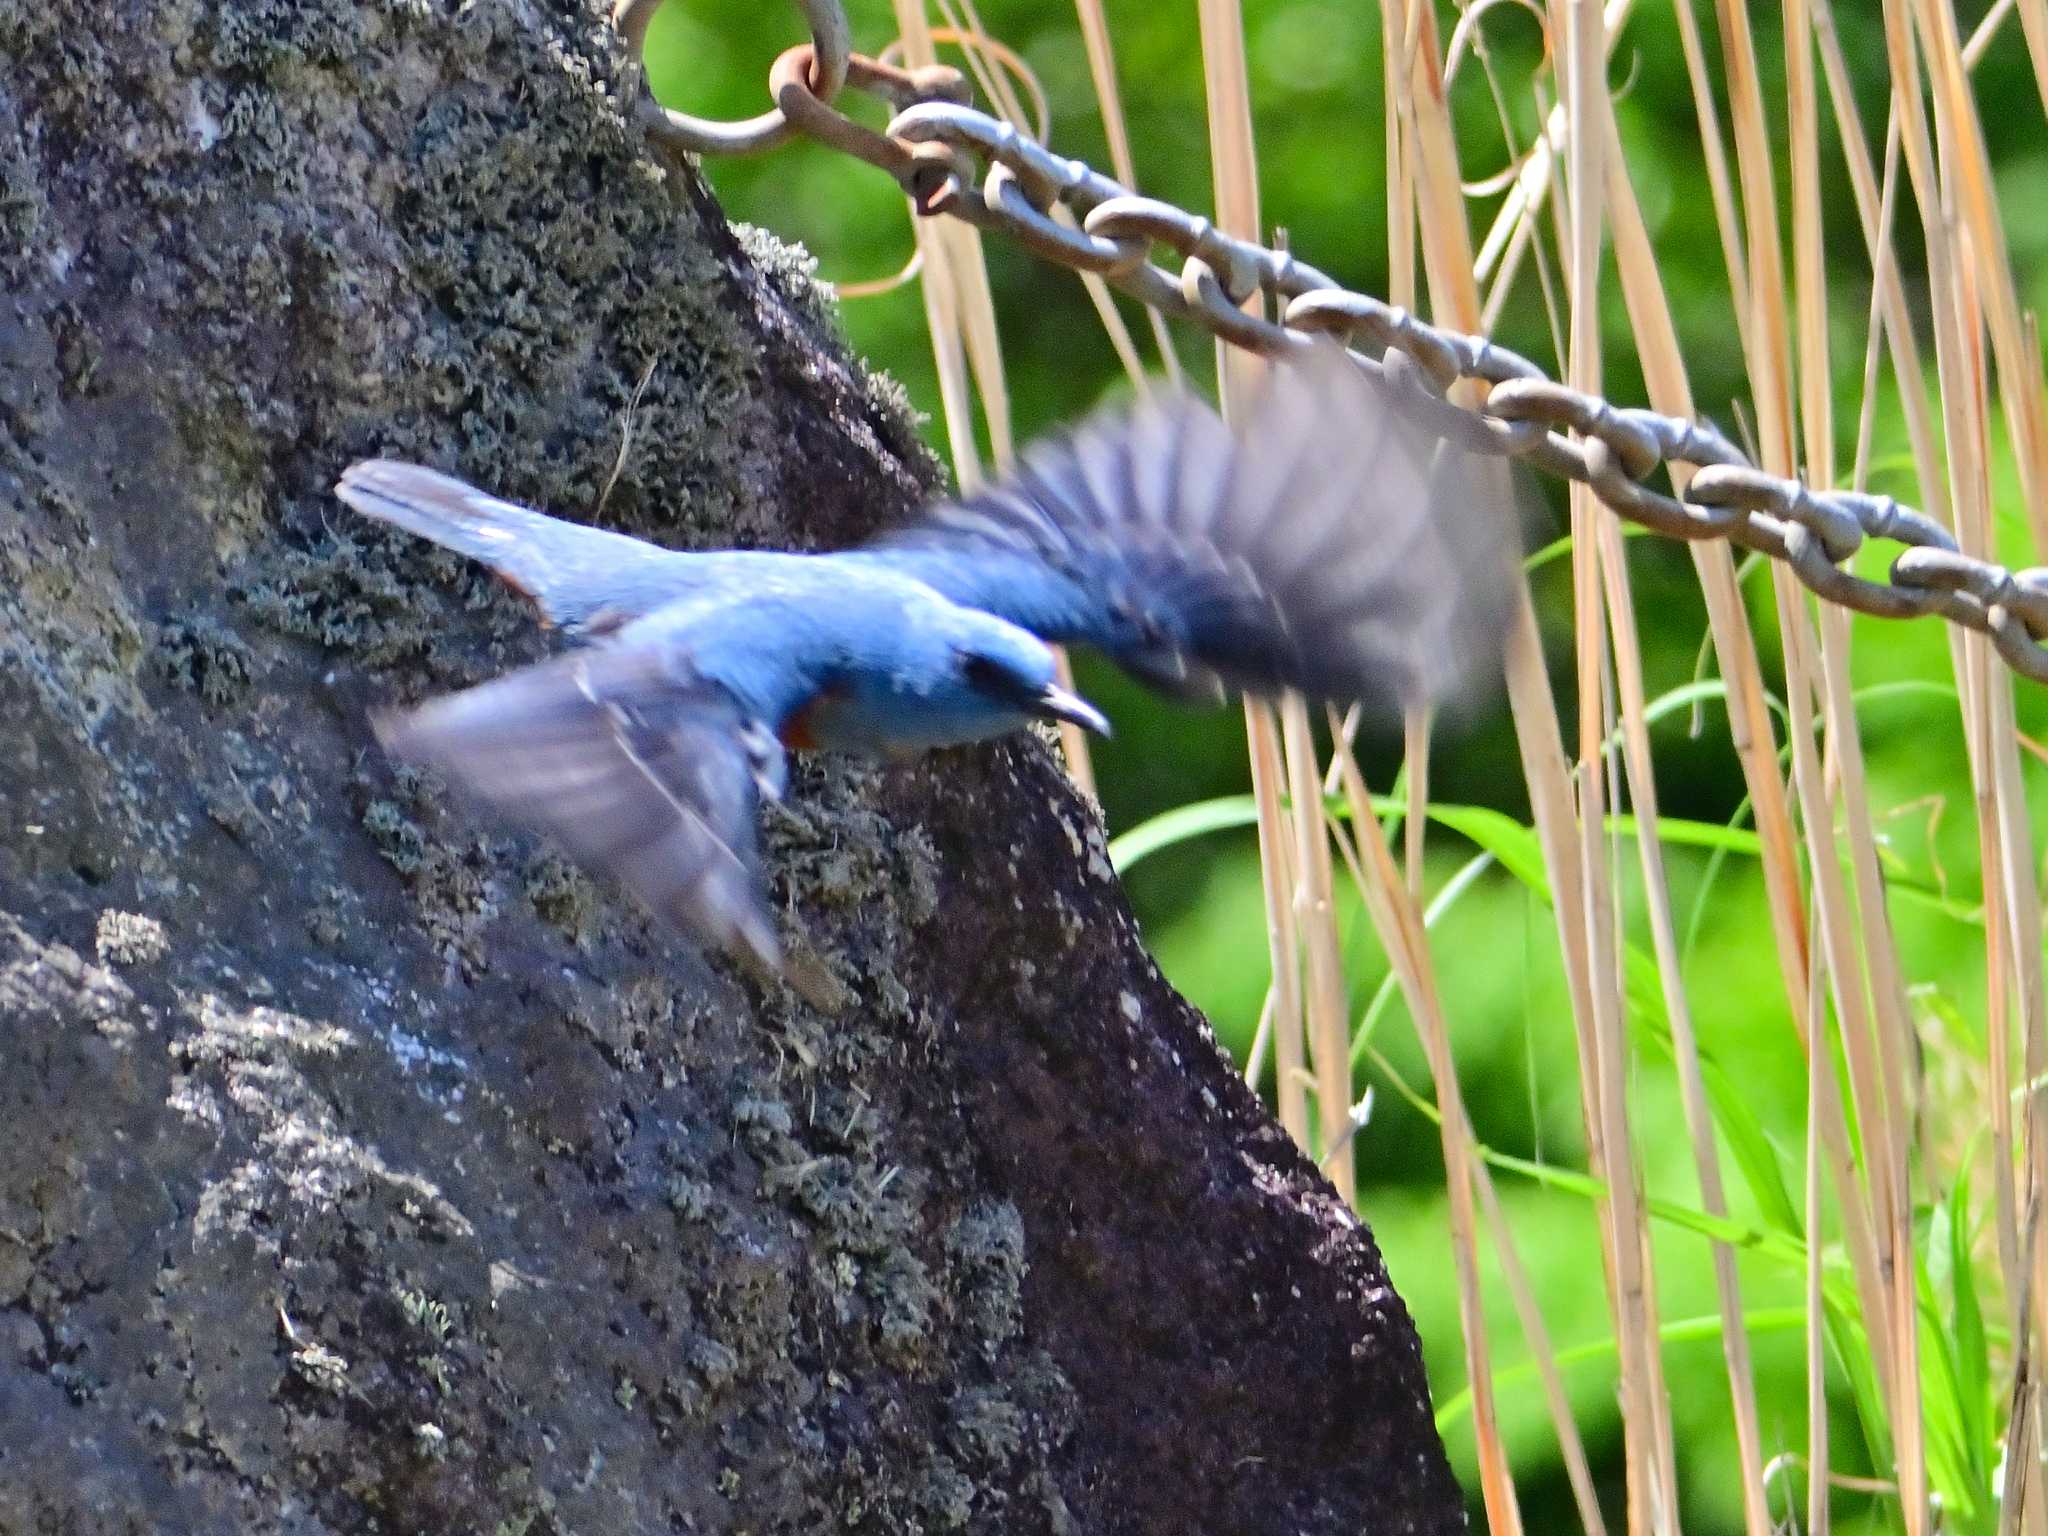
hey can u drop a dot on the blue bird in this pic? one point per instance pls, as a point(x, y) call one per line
point(1340, 547)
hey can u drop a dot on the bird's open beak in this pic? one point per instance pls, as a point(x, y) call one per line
point(1056, 703)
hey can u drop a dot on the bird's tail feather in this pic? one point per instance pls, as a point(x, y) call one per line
point(571, 572)
point(452, 513)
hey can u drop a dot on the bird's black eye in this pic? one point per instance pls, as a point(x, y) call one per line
point(991, 678)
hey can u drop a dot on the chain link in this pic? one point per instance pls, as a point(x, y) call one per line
point(937, 146)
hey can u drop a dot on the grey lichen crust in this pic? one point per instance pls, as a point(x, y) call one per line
point(363, 1166)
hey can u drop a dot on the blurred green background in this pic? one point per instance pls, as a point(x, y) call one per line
point(1316, 79)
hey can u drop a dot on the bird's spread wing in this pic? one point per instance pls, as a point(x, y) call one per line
point(579, 577)
point(1338, 546)
point(634, 771)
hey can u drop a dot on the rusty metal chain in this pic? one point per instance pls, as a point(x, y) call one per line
point(936, 148)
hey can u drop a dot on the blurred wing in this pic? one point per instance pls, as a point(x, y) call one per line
point(1339, 546)
point(579, 577)
point(635, 772)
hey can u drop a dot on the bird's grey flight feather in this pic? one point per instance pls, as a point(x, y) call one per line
point(1338, 545)
point(635, 770)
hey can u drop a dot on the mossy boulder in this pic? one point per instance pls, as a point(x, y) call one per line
point(366, 1167)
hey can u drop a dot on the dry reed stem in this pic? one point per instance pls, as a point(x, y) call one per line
point(1541, 747)
point(1519, 235)
point(1345, 777)
point(1820, 1083)
point(2034, 24)
point(1401, 287)
point(1541, 1351)
point(1234, 174)
point(1893, 1043)
point(2011, 898)
point(1398, 921)
point(1875, 1211)
point(1719, 187)
point(1325, 1012)
point(1409, 69)
point(1935, 493)
point(1874, 211)
point(1603, 1065)
point(1415, 761)
point(1987, 302)
point(995, 81)
point(1269, 778)
point(1749, 718)
point(1512, 233)
point(1969, 184)
point(1665, 371)
point(1102, 73)
point(1678, 1009)
point(1447, 260)
point(1401, 291)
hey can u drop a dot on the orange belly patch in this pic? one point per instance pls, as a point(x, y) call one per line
point(799, 731)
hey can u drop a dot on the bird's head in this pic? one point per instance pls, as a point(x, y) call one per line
point(1009, 671)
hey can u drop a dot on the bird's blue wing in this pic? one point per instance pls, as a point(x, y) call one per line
point(651, 777)
point(1338, 546)
point(581, 578)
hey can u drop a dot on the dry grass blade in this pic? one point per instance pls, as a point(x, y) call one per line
point(1102, 72)
point(1424, 119)
point(1512, 233)
point(1986, 304)
point(1685, 1045)
point(1874, 213)
point(994, 66)
point(1664, 368)
point(2034, 23)
point(1326, 1013)
point(1892, 1044)
point(1888, 1293)
point(1541, 1350)
point(1719, 187)
point(1968, 184)
point(1396, 113)
point(1431, 171)
point(1398, 921)
point(1819, 1084)
point(1234, 171)
point(1955, 260)
point(1603, 1061)
point(1269, 779)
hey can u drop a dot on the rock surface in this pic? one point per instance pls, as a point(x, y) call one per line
point(364, 1167)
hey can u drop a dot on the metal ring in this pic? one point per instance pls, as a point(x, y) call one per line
point(1622, 492)
point(2029, 599)
point(1007, 192)
point(1740, 485)
point(1045, 179)
point(1208, 298)
point(806, 112)
point(1385, 326)
point(832, 50)
point(1807, 556)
